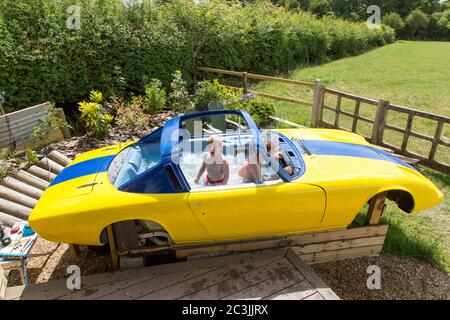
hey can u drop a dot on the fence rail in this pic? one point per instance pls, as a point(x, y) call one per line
point(378, 119)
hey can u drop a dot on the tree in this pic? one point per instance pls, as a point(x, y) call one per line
point(439, 26)
point(319, 7)
point(395, 21)
point(417, 21)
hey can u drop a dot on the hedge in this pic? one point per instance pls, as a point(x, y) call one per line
point(121, 47)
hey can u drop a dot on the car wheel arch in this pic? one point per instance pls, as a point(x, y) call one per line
point(103, 235)
point(401, 196)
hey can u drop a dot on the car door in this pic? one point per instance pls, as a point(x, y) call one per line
point(254, 210)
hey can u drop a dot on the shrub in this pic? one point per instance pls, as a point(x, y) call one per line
point(208, 91)
point(394, 20)
point(4, 169)
point(155, 97)
point(94, 116)
point(132, 115)
point(417, 21)
point(120, 45)
point(319, 7)
point(179, 96)
point(46, 124)
point(5, 165)
point(204, 94)
point(32, 157)
point(261, 111)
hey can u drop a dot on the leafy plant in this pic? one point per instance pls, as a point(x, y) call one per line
point(135, 40)
point(5, 165)
point(46, 124)
point(261, 111)
point(394, 20)
point(208, 91)
point(417, 21)
point(96, 96)
point(132, 114)
point(155, 97)
point(4, 169)
point(32, 157)
point(204, 94)
point(179, 96)
point(119, 83)
point(94, 116)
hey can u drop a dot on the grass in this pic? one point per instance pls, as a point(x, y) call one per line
point(424, 235)
point(414, 74)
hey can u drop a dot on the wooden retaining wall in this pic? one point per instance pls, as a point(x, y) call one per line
point(312, 248)
point(19, 193)
point(16, 128)
point(431, 151)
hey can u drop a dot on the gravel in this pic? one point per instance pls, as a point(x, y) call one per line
point(401, 278)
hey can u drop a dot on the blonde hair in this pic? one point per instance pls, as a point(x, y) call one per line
point(215, 139)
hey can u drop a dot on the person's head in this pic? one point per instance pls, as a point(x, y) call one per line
point(271, 144)
point(214, 144)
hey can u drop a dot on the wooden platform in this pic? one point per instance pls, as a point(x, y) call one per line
point(273, 274)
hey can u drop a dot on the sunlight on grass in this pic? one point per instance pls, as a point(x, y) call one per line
point(413, 74)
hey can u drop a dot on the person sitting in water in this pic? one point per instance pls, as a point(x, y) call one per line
point(250, 172)
point(276, 154)
point(214, 163)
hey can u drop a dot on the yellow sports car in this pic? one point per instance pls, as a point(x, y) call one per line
point(303, 180)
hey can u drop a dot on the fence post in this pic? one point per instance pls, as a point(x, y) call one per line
point(379, 122)
point(244, 82)
point(64, 129)
point(2, 100)
point(317, 108)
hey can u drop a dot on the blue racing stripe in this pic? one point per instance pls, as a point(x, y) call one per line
point(335, 148)
point(84, 168)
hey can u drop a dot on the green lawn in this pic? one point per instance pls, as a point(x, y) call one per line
point(410, 73)
point(414, 74)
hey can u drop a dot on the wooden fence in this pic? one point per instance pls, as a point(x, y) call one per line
point(378, 116)
point(16, 128)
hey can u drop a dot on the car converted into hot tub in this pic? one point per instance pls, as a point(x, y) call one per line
point(150, 182)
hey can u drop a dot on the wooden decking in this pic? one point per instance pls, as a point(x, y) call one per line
point(274, 274)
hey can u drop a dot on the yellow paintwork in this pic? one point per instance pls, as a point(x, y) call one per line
point(329, 195)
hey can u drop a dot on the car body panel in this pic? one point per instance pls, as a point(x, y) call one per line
point(335, 183)
point(259, 210)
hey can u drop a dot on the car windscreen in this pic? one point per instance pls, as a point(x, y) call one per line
point(134, 160)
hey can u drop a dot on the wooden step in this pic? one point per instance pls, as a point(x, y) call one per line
point(21, 187)
point(32, 180)
point(9, 220)
point(17, 197)
point(335, 255)
point(49, 164)
point(41, 173)
point(14, 209)
point(59, 158)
